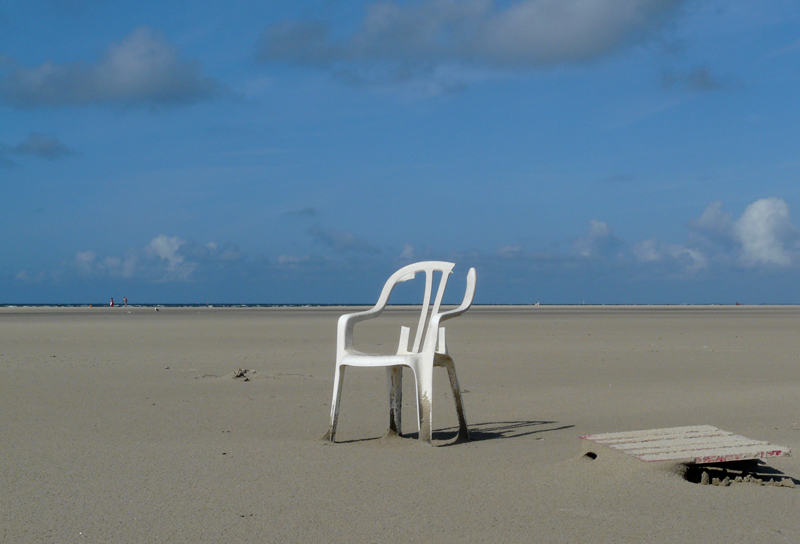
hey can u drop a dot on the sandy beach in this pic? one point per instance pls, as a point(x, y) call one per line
point(127, 425)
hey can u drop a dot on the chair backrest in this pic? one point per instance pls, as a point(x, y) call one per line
point(408, 273)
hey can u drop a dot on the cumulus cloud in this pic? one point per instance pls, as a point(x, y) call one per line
point(408, 252)
point(84, 260)
point(719, 248)
point(340, 241)
point(409, 39)
point(167, 249)
point(767, 234)
point(141, 70)
point(598, 242)
point(684, 260)
point(210, 252)
point(763, 236)
point(163, 259)
point(284, 260)
point(87, 263)
point(510, 252)
point(713, 221)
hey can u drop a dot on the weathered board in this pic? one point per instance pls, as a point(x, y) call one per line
point(700, 444)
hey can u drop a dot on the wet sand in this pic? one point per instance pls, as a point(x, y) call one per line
point(126, 425)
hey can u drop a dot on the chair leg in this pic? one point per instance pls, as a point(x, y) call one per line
point(394, 380)
point(338, 381)
point(424, 377)
point(463, 431)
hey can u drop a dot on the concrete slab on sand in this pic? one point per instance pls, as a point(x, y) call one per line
point(700, 444)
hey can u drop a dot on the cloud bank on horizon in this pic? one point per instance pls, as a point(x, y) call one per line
point(763, 238)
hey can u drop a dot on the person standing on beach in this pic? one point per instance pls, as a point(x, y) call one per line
point(125, 301)
point(112, 302)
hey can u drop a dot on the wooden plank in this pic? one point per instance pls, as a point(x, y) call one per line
point(717, 455)
point(670, 431)
point(688, 443)
point(699, 444)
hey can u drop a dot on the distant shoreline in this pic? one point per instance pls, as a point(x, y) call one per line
point(369, 304)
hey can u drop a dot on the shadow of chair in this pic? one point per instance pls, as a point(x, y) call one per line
point(496, 430)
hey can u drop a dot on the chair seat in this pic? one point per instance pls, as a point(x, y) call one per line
point(369, 359)
point(358, 358)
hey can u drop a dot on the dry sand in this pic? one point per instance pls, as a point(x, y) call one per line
point(126, 425)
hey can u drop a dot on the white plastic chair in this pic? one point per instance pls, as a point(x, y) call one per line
point(429, 350)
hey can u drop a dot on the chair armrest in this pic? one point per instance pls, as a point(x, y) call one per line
point(344, 333)
point(347, 322)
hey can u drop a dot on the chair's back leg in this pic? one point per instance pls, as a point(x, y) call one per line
point(463, 431)
point(394, 381)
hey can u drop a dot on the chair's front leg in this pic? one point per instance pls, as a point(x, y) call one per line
point(394, 381)
point(424, 374)
point(338, 381)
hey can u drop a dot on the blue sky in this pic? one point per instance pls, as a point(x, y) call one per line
point(598, 151)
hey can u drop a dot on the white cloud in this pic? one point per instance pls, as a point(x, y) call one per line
point(677, 259)
point(718, 247)
point(691, 259)
point(598, 242)
point(409, 39)
point(164, 258)
point(85, 260)
point(510, 252)
point(86, 256)
point(647, 251)
point(713, 220)
point(166, 248)
point(763, 236)
point(291, 259)
point(141, 70)
point(127, 268)
point(766, 234)
point(112, 262)
point(340, 241)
